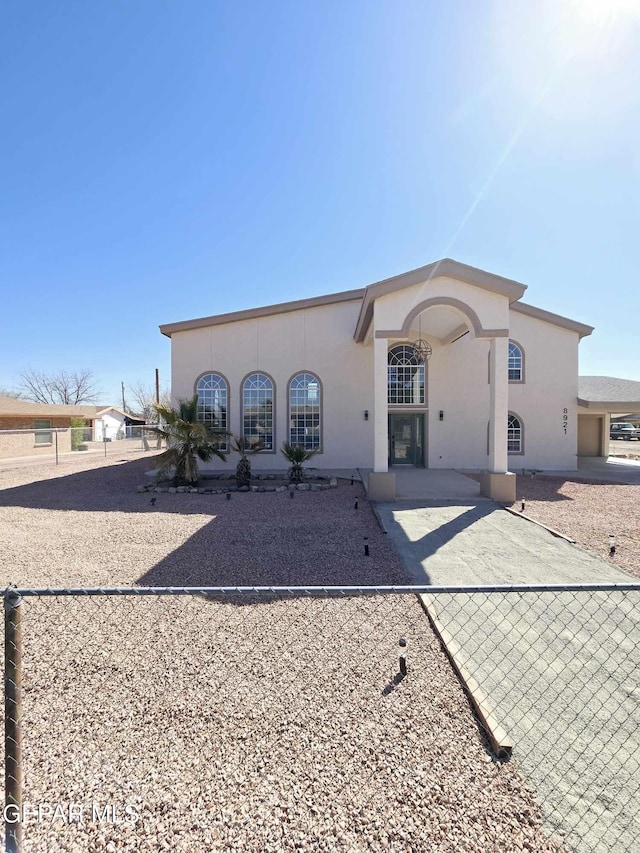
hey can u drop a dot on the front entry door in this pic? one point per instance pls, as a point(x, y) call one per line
point(406, 439)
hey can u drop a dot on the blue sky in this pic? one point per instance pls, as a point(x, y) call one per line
point(162, 161)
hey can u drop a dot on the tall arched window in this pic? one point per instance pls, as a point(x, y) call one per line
point(305, 410)
point(516, 363)
point(213, 404)
point(515, 443)
point(405, 376)
point(257, 410)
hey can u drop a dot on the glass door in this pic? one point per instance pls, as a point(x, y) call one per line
point(406, 439)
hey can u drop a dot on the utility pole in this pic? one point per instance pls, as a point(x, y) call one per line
point(159, 442)
point(124, 405)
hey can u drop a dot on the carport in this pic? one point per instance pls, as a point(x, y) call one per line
point(600, 397)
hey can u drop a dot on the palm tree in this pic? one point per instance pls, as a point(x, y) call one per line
point(296, 455)
point(245, 448)
point(187, 441)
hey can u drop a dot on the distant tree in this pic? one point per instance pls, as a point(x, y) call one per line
point(144, 400)
point(64, 387)
point(7, 392)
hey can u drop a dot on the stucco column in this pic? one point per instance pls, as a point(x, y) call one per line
point(381, 483)
point(380, 407)
point(499, 405)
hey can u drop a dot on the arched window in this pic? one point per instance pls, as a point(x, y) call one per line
point(405, 376)
point(516, 363)
point(515, 434)
point(257, 410)
point(213, 404)
point(305, 410)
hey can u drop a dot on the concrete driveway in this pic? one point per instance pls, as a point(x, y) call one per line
point(561, 670)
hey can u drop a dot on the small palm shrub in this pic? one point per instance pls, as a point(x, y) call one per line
point(296, 455)
point(245, 448)
point(187, 441)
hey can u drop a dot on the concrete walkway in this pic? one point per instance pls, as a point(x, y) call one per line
point(430, 484)
point(561, 670)
point(478, 542)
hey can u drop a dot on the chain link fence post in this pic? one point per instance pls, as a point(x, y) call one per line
point(12, 720)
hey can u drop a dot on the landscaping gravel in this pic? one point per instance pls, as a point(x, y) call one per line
point(274, 726)
point(587, 512)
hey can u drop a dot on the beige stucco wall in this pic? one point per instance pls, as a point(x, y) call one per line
point(590, 435)
point(550, 387)
point(492, 309)
point(458, 386)
point(319, 340)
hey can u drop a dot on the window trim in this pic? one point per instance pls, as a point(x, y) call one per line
point(522, 374)
point(224, 448)
point(41, 439)
point(273, 408)
point(320, 449)
point(401, 407)
point(520, 381)
point(520, 452)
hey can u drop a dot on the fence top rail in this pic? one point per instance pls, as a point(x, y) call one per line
point(312, 591)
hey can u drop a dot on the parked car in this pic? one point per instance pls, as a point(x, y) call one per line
point(624, 431)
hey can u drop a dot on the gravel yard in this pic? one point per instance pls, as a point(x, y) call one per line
point(587, 512)
point(265, 726)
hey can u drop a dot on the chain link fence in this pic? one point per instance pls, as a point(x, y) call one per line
point(56, 443)
point(269, 719)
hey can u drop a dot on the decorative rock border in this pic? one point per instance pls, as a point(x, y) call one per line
point(332, 483)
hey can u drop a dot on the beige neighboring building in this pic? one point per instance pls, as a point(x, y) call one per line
point(441, 367)
point(602, 399)
point(32, 429)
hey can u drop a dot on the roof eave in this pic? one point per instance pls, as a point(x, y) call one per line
point(555, 319)
point(614, 406)
point(169, 329)
point(513, 290)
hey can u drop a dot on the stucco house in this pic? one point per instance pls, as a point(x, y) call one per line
point(441, 367)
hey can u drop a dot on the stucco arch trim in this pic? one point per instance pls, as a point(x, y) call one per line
point(473, 321)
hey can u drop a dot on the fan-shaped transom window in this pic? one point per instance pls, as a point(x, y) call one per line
point(514, 434)
point(257, 410)
point(305, 409)
point(515, 363)
point(213, 404)
point(405, 376)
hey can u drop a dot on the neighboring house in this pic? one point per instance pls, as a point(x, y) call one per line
point(28, 429)
point(343, 374)
point(601, 400)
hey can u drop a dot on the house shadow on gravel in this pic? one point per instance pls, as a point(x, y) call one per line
point(270, 539)
point(253, 539)
point(108, 489)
